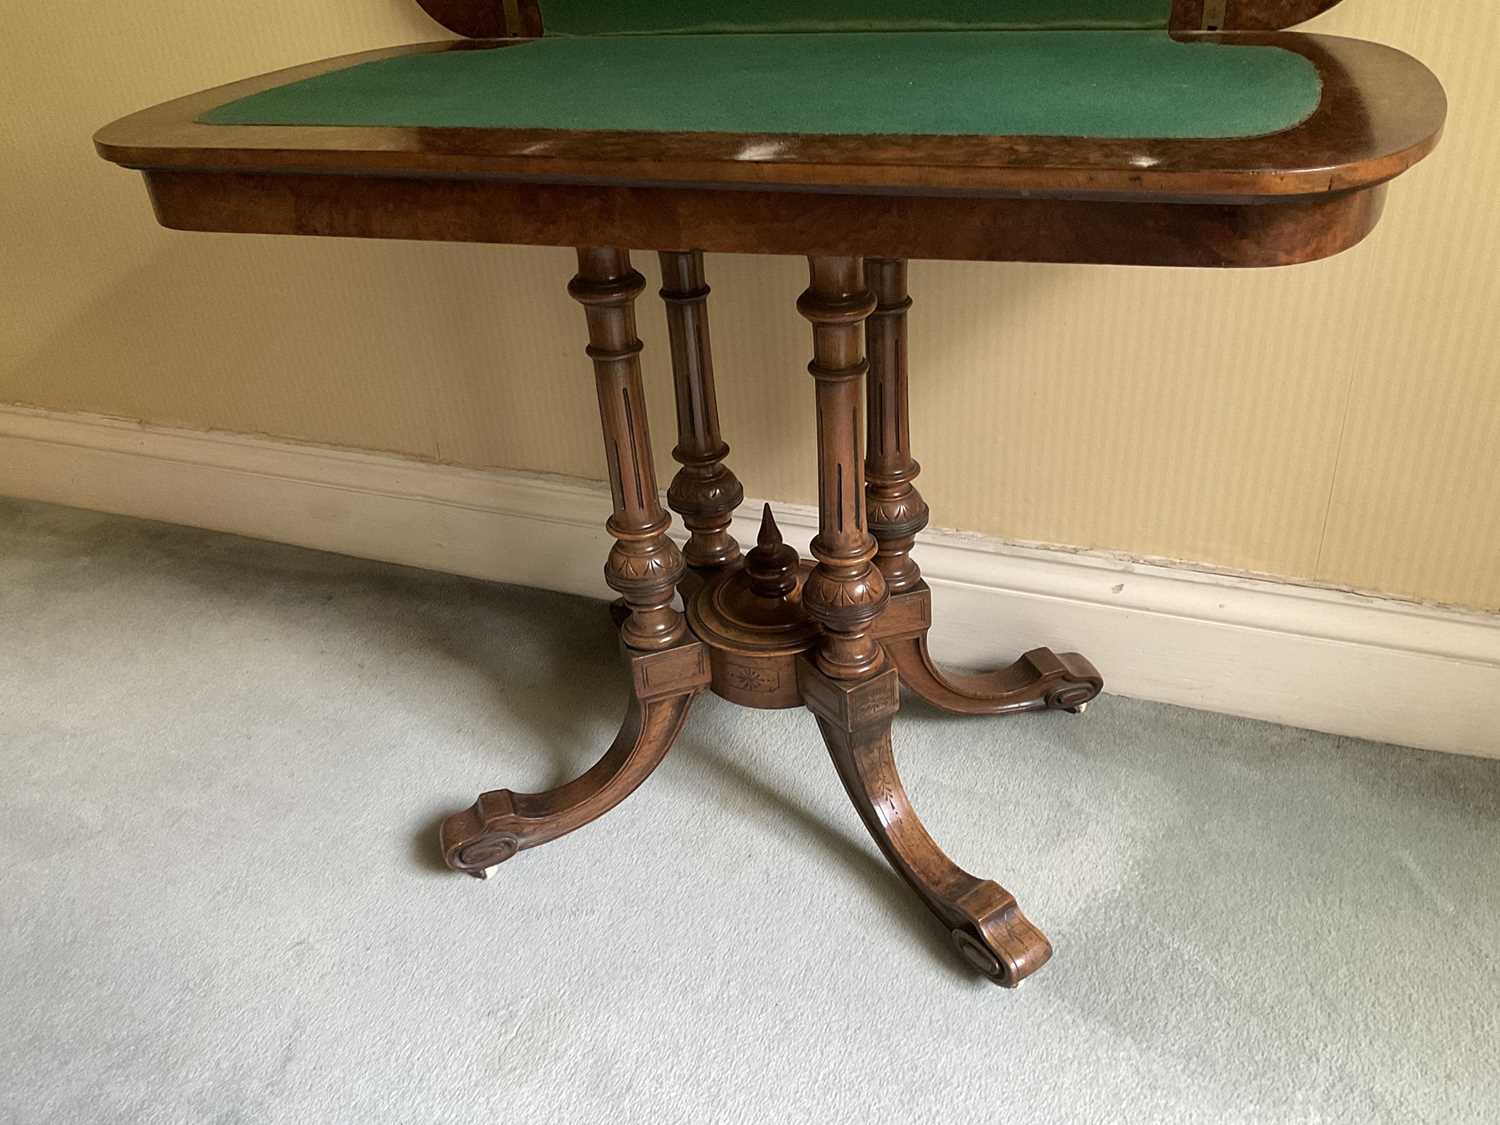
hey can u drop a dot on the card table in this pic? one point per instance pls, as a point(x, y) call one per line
point(859, 134)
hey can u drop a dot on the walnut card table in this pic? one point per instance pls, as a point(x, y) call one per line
point(857, 133)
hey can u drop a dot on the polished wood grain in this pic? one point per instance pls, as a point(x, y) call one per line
point(704, 492)
point(1381, 112)
point(769, 222)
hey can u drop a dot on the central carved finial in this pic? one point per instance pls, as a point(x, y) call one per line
point(771, 565)
point(770, 535)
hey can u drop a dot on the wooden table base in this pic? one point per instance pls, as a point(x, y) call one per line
point(838, 635)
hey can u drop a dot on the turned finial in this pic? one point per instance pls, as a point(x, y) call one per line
point(771, 565)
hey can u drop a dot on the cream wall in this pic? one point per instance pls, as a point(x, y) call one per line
point(1336, 422)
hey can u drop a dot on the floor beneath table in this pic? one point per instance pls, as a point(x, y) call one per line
point(223, 762)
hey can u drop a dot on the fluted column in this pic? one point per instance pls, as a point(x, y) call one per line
point(704, 492)
point(845, 592)
point(644, 566)
point(895, 509)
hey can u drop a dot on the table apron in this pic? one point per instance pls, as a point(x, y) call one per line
point(1279, 231)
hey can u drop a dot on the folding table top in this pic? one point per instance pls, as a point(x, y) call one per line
point(1062, 99)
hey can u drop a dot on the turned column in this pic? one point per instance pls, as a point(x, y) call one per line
point(644, 566)
point(845, 592)
point(895, 509)
point(704, 492)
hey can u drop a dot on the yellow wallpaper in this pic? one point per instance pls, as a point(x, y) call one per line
point(1337, 421)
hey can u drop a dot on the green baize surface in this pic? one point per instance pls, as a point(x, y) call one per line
point(1101, 83)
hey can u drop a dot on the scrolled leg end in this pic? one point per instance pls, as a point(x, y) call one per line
point(1072, 682)
point(995, 937)
point(1007, 949)
point(478, 840)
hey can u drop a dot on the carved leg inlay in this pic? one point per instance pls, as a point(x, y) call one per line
point(502, 823)
point(1041, 679)
point(704, 492)
point(988, 927)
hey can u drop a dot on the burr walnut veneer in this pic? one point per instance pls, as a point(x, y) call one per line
point(859, 135)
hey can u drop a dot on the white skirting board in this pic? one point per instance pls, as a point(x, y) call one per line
point(1328, 660)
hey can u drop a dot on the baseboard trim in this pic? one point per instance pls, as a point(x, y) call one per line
point(1324, 659)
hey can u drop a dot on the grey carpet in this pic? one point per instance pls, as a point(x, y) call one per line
point(222, 764)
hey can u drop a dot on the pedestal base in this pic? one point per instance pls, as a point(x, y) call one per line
point(751, 643)
point(771, 630)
